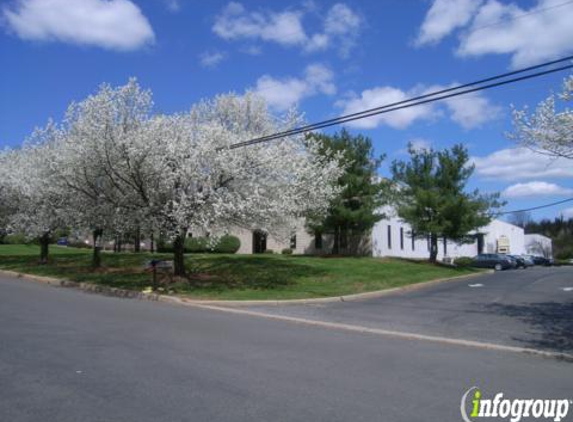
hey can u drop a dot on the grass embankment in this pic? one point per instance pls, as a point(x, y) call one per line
point(238, 277)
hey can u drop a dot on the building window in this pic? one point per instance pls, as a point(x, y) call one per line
point(389, 237)
point(293, 242)
point(445, 246)
point(413, 240)
point(318, 241)
point(402, 238)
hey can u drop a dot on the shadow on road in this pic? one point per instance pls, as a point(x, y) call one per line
point(551, 324)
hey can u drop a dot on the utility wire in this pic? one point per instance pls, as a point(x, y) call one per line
point(419, 100)
point(538, 207)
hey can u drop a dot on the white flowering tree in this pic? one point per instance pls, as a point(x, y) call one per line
point(101, 161)
point(36, 208)
point(547, 130)
point(205, 186)
point(7, 195)
point(126, 168)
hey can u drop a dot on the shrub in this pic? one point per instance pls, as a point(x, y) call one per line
point(16, 239)
point(463, 261)
point(287, 251)
point(196, 245)
point(269, 251)
point(228, 244)
point(79, 244)
point(225, 244)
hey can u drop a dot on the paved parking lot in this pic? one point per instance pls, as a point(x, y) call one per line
point(530, 308)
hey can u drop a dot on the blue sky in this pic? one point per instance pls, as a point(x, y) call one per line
point(327, 57)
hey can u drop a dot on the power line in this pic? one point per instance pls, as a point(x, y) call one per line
point(538, 207)
point(419, 100)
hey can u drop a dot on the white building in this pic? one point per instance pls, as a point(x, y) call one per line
point(393, 237)
point(537, 244)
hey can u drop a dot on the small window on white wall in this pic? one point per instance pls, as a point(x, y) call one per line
point(389, 237)
point(402, 238)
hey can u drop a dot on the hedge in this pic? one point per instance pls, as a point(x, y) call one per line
point(226, 244)
point(463, 261)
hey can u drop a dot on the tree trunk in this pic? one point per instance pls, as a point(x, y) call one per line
point(151, 243)
point(433, 248)
point(137, 241)
point(179, 254)
point(44, 248)
point(336, 243)
point(96, 259)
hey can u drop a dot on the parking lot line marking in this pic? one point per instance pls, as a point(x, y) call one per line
point(390, 333)
point(475, 285)
point(568, 289)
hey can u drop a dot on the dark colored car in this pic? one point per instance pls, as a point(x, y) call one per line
point(493, 260)
point(62, 241)
point(540, 260)
point(519, 260)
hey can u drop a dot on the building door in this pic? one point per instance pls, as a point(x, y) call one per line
point(480, 243)
point(259, 241)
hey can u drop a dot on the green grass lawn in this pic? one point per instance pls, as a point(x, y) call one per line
point(34, 250)
point(238, 277)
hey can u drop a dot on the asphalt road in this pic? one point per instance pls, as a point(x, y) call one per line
point(530, 308)
point(66, 355)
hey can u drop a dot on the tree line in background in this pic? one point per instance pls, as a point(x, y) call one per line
point(560, 230)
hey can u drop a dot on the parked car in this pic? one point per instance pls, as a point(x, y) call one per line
point(62, 241)
point(521, 262)
point(528, 260)
point(493, 260)
point(540, 260)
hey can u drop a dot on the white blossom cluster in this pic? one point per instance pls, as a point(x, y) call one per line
point(547, 130)
point(113, 165)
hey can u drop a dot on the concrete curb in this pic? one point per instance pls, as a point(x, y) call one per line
point(332, 299)
point(132, 294)
point(210, 305)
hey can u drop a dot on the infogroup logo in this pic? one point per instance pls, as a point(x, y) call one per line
point(513, 409)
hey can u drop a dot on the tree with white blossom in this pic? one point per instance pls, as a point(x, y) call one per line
point(36, 208)
point(547, 130)
point(102, 161)
point(126, 166)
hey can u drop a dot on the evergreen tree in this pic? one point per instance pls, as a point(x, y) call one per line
point(431, 196)
point(357, 207)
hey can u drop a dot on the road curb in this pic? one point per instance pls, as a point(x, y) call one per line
point(213, 306)
point(132, 294)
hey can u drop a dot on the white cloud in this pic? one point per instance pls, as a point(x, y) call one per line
point(281, 94)
point(113, 24)
point(530, 35)
point(567, 213)
point(536, 188)
point(211, 58)
point(472, 110)
point(538, 36)
point(443, 17)
point(235, 22)
point(469, 111)
point(521, 164)
point(379, 96)
point(341, 27)
point(419, 144)
point(173, 5)
point(252, 50)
